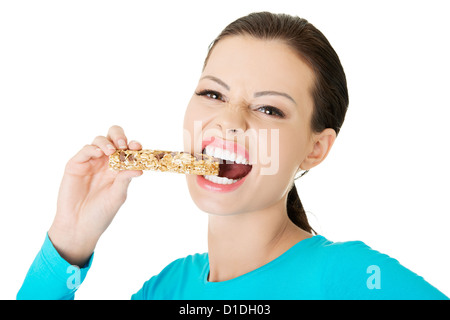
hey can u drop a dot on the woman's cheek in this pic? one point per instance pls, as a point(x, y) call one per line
point(192, 128)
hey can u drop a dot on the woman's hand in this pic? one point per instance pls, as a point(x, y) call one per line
point(90, 196)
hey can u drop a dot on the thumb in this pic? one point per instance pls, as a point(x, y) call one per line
point(122, 181)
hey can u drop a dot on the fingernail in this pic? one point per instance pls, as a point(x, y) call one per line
point(122, 144)
point(135, 142)
point(111, 147)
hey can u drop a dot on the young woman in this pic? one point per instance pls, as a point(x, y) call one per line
point(264, 74)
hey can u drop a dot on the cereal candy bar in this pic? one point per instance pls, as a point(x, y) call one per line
point(158, 160)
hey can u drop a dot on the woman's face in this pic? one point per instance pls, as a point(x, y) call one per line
point(252, 104)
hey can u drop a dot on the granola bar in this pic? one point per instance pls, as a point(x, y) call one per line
point(165, 161)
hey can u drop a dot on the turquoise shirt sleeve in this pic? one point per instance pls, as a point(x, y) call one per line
point(50, 277)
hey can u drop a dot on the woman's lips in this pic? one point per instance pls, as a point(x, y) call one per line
point(233, 167)
point(216, 187)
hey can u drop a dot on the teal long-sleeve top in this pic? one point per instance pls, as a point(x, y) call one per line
point(314, 268)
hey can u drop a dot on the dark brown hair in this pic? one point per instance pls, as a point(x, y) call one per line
point(329, 92)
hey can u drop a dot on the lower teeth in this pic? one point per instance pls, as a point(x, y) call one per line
point(220, 180)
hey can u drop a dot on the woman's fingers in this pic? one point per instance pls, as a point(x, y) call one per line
point(104, 144)
point(121, 183)
point(116, 139)
point(76, 165)
point(87, 153)
point(108, 147)
point(117, 136)
point(134, 145)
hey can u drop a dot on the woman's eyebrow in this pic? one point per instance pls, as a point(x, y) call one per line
point(257, 94)
point(217, 80)
point(274, 93)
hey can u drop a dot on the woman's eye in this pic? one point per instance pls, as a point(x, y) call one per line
point(271, 111)
point(210, 94)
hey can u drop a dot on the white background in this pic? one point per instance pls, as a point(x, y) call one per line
point(71, 69)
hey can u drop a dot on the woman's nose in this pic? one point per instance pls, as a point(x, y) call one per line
point(231, 121)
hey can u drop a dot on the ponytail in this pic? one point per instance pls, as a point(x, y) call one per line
point(296, 212)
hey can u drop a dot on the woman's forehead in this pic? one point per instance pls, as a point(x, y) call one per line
point(263, 64)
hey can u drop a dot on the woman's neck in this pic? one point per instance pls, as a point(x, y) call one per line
point(238, 244)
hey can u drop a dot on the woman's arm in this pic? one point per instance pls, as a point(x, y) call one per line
point(89, 197)
point(50, 277)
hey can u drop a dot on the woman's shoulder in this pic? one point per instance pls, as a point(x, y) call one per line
point(172, 277)
point(329, 250)
point(196, 259)
point(355, 270)
point(191, 264)
point(350, 251)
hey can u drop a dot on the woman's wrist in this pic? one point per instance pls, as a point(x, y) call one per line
point(72, 247)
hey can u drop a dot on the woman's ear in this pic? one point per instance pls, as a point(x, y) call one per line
point(321, 144)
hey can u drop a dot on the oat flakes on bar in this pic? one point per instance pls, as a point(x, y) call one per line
point(165, 161)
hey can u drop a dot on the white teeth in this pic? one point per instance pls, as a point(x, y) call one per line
point(209, 151)
point(220, 180)
point(229, 155)
point(218, 153)
point(225, 155)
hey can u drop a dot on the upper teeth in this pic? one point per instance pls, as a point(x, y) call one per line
point(225, 155)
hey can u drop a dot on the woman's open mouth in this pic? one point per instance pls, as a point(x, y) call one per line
point(233, 164)
point(232, 167)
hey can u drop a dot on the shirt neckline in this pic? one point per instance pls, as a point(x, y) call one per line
point(281, 257)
